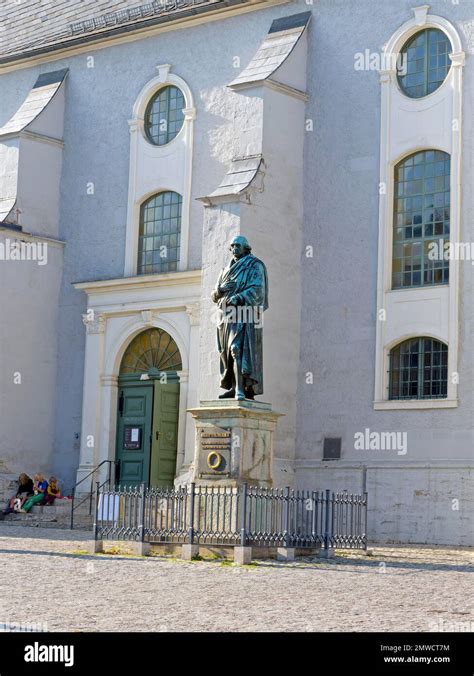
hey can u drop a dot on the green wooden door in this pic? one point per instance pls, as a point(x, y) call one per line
point(165, 433)
point(134, 425)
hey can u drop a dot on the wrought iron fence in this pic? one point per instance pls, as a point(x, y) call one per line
point(247, 516)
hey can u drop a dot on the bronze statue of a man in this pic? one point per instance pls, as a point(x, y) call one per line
point(242, 296)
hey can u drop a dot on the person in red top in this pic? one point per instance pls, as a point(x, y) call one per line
point(53, 491)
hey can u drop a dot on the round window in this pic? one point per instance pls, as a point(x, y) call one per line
point(424, 63)
point(164, 115)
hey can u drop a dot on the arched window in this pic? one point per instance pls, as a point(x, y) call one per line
point(152, 351)
point(419, 370)
point(159, 233)
point(421, 220)
point(424, 63)
point(164, 115)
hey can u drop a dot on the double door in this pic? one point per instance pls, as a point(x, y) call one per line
point(147, 433)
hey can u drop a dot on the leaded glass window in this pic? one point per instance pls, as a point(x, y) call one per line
point(424, 63)
point(421, 220)
point(419, 370)
point(152, 351)
point(159, 234)
point(164, 115)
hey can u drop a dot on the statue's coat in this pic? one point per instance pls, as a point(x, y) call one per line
point(249, 276)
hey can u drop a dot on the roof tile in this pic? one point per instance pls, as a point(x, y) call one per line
point(35, 24)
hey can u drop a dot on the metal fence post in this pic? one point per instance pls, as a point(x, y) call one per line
point(286, 533)
point(191, 515)
point(72, 506)
point(365, 518)
point(314, 516)
point(141, 526)
point(91, 494)
point(243, 530)
point(96, 510)
point(326, 526)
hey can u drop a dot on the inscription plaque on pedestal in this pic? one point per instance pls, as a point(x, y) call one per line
point(216, 447)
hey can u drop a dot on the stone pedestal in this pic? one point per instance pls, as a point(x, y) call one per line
point(286, 553)
point(243, 555)
point(188, 552)
point(140, 548)
point(234, 442)
point(95, 546)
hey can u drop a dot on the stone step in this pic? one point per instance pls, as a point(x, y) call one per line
point(57, 515)
point(78, 525)
point(30, 517)
point(48, 520)
point(59, 508)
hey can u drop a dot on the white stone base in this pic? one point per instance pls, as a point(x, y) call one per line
point(327, 553)
point(140, 548)
point(95, 546)
point(242, 555)
point(286, 553)
point(188, 552)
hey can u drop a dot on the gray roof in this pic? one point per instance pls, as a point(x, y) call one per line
point(240, 175)
point(35, 26)
point(280, 41)
point(38, 98)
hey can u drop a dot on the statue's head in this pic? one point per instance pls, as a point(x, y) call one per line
point(240, 246)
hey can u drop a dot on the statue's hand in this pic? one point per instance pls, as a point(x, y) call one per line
point(215, 296)
point(227, 286)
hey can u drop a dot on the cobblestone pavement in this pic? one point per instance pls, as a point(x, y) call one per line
point(396, 589)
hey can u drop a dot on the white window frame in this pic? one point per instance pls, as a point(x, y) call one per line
point(154, 169)
point(402, 313)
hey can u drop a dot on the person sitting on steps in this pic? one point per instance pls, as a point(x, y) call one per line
point(25, 489)
point(53, 491)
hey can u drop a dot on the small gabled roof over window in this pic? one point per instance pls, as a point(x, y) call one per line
point(280, 41)
point(238, 178)
point(38, 98)
point(39, 120)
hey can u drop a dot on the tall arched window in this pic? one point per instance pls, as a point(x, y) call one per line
point(424, 63)
point(159, 233)
point(421, 219)
point(419, 370)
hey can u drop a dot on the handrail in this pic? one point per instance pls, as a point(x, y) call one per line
point(75, 505)
point(91, 472)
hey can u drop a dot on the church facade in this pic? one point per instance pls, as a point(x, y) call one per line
point(136, 140)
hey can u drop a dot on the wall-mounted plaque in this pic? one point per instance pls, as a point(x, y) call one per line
point(216, 446)
point(132, 437)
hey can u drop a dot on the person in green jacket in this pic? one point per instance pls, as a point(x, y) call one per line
point(40, 487)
